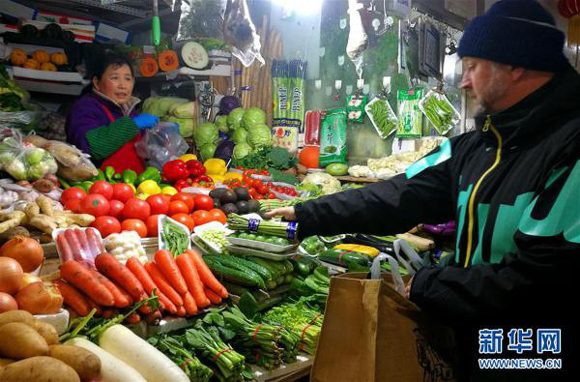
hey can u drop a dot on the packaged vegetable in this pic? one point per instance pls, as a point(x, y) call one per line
point(410, 116)
point(382, 116)
point(73, 163)
point(355, 107)
point(439, 111)
point(24, 161)
point(333, 147)
point(160, 144)
point(125, 245)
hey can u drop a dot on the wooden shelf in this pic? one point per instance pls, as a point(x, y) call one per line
point(355, 179)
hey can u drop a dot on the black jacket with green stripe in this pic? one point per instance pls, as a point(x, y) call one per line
point(512, 186)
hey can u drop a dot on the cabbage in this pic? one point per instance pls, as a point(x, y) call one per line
point(33, 156)
point(229, 103)
point(224, 150)
point(253, 117)
point(207, 151)
point(240, 135)
point(16, 169)
point(160, 106)
point(327, 182)
point(206, 133)
point(241, 150)
point(260, 135)
point(222, 123)
point(184, 110)
point(185, 125)
point(235, 118)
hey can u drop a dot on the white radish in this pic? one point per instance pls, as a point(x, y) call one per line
point(112, 368)
point(137, 353)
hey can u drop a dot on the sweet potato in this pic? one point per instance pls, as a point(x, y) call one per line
point(47, 331)
point(39, 369)
point(83, 361)
point(18, 341)
point(16, 316)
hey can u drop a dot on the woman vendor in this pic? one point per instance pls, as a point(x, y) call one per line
point(104, 123)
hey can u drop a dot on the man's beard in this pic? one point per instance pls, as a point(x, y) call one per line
point(496, 89)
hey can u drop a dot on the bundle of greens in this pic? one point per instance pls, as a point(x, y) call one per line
point(173, 347)
point(266, 227)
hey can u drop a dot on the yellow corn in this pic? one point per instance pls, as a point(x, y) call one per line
point(370, 251)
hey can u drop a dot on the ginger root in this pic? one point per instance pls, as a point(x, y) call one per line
point(45, 205)
point(11, 220)
point(43, 223)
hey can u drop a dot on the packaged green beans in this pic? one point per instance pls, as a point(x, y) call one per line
point(410, 116)
point(333, 147)
point(382, 116)
point(439, 111)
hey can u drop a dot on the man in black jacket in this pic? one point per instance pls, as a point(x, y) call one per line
point(512, 186)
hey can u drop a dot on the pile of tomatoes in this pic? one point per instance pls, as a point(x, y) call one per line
point(259, 189)
point(116, 208)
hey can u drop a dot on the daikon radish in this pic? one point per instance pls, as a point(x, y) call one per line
point(137, 353)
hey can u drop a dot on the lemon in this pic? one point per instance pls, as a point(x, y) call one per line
point(149, 187)
point(143, 196)
point(169, 191)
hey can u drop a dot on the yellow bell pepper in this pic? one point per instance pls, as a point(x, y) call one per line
point(149, 187)
point(133, 188)
point(233, 175)
point(217, 178)
point(142, 196)
point(188, 157)
point(215, 166)
point(370, 251)
point(169, 190)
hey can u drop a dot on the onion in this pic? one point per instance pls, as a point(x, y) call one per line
point(10, 275)
point(39, 298)
point(28, 278)
point(28, 252)
point(7, 303)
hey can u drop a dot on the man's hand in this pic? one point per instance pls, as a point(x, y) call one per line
point(408, 288)
point(287, 213)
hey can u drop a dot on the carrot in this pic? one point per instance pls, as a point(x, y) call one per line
point(181, 311)
point(114, 270)
point(94, 305)
point(214, 298)
point(81, 277)
point(163, 284)
point(122, 299)
point(139, 271)
point(166, 263)
point(189, 303)
point(194, 284)
point(205, 274)
point(73, 298)
point(153, 317)
point(145, 308)
point(109, 313)
point(133, 318)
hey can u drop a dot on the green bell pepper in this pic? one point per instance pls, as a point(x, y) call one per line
point(99, 176)
point(129, 177)
point(150, 173)
point(117, 177)
point(109, 173)
point(86, 185)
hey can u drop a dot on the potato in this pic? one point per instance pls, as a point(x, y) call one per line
point(39, 369)
point(47, 331)
point(16, 316)
point(5, 362)
point(84, 362)
point(18, 340)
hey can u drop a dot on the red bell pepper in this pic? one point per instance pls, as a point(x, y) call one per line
point(195, 168)
point(181, 184)
point(203, 178)
point(175, 170)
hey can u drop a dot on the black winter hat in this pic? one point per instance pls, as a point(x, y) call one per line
point(520, 33)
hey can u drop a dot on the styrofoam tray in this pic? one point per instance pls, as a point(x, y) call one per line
point(260, 245)
point(200, 244)
point(208, 227)
point(162, 244)
point(244, 251)
point(393, 116)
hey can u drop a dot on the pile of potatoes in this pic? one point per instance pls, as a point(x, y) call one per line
point(29, 351)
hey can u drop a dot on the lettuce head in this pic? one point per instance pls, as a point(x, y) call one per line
point(206, 133)
point(259, 136)
point(240, 136)
point(241, 150)
point(253, 117)
point(235, 117)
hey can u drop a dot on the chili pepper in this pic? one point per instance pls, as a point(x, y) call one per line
point(203, 178)
point(175, 170)
point(150, 173)
point(99, 176)
point(129, 176)
point(85, 186)
point(63, 183)
point(109, 173)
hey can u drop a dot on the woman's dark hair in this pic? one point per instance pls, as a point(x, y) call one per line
point(111, 59)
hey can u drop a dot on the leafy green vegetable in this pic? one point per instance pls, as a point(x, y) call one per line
point(241, 150)
point(259, 135)
point(207, 151)
point(240, 135)
point(235, 118)
point(253, 117)
point(206, 133)
point(279, 176)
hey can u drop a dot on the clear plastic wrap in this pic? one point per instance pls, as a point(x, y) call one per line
point(22, 160)
point(201, 18)
point(357, 37)
point(25, 120)
point(160, 144)
point(439, 111)
point(239, 32)
point(382, 116)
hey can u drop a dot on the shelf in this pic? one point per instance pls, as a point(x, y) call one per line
point(216, 71)
point(355, 179)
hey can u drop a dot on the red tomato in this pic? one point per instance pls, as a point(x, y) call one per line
point(116, 208)
point(203, 202)
point(159, 204)
point(178, 207)
point(102, 187)
point(72, 193)
point(135, 225)
point(136, 209)
point(184, 219)
point(262, 189)
point(218, 215)
point(258, 197)
point(201, 217)
point(73, 205)
point(185, 198)
point(107, 225)
point(167, 197)
point(96, 205)
point(122, 192)
point(252, 191)
point(152, 225)
point(271, 196)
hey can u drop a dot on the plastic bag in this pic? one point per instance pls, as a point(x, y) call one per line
point(239, 32)
point(355, 107)
point(357, 37)
point(410, 116)
point(439, 111)
point(24, 161)
point(382, 116)
point(160, 144)
point(201, 18)
point(333, 147)
point(26, 120)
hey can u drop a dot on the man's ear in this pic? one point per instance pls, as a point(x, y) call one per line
point(517, 73)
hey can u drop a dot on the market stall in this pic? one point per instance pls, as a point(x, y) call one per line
point(173, 272)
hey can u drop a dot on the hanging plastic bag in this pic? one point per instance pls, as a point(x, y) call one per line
point(382, 116)
point(161, 144)
point(439, 111)
point(24, 161)
point(201, 18)
point(239, 32)
point(410, 116)
point(357, 37)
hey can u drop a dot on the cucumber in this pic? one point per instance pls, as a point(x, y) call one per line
point(270, 284)
point(229, 262)
point(238, 263)
point(280, 280)
point(303, 267)
point(288, 278)
point(235, 276)
point(288, 265)
point(268, 265)
point(342, 257)
point(236, 289)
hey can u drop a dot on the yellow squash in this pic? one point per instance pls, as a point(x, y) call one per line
point(370, 251)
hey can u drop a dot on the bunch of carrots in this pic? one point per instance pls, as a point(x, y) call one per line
point(183, 285)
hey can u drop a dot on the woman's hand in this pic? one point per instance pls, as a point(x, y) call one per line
point(287, 213)
point(145, 121)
